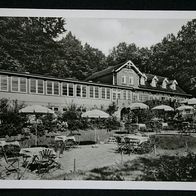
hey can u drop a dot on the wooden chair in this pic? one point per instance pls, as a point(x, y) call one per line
point(43, 162)
point(12, 162)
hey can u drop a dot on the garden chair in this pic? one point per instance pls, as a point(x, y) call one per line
point(12, 162)
point(43, 162)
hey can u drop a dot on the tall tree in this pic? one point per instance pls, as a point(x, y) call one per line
point(28, 44)
point(96, 60)
point(71, 62)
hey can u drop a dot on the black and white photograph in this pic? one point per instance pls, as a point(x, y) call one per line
point(98, 96)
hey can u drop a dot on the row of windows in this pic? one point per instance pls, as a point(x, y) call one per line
point(38, 86)
point(131, 80)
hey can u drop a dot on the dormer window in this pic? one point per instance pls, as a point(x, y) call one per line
point(143, 79)
point(173, 85)
point(154, 81)
point(165, 82)
point(123, 79)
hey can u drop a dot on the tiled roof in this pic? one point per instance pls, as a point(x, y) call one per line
point(104, 72)
point(147, 85)
point(159, 88)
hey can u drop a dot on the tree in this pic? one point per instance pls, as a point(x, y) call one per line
point(27, 44)
point(96, 60)
point(124, 52)
point(11, 122)
point(71, 62)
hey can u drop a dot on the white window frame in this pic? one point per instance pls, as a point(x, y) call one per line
point(82, 91)
point(36, 87)
point(118, 93)
point(124, 80)
point(68, 90)
point(58, 88)
point(124, 94)
point(173, 86)
point(114, 92)
point(7, 83)
point(153, 83)
point(108, 89)
point(142, 81)
point(103, 89)
point(62, 88)
point(95, 93)
point(90, 92)
point(47, 87)
point(18, 84)
point(131, 80)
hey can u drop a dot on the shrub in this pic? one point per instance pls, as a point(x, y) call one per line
point(170, 168)
point(11, 121)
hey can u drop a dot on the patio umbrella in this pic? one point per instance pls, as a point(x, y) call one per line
point(95, 114)
point(163, 107)
point(36, 109)
point(135, 106)
point(138, 106)
point(184, 107)
point(192, 101)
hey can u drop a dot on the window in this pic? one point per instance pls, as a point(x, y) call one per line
point(164, 84)
point(114, 95)
point(23, 85)
point(124, 94)
point(173, 86)
point(49, 88)
point(96, 92)
point(15, 84)
point(91, 91)
point(123, 79)
point(56, 88)
point(40, 86)
point(129, 95)
point(142, 81)
point(153, 83)
point(4, 83)
point(103, 95)
point(119, 94)
point(135, 97)
point(108, 93)
point(71, 90)
point(33, 85)
point(18, 84)
point(131, 80)
point(64, 89)
point(56, 109)
point(83, 91)
point(78, 90)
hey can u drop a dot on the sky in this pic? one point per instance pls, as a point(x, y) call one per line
point(104, 34)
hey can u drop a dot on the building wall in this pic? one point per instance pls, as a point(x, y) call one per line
point(122, 97)
point(57, 101)
point(127, 73)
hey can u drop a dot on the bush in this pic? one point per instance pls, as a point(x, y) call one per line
point(73, 118)
point(12, 122)
point(170, 168)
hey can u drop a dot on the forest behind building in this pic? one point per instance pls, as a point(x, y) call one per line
point(45, 46)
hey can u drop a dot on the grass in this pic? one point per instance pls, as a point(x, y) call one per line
point(171, 142)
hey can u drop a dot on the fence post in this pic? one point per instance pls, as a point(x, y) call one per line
point(122, 157)
point(155, 149)
point(74, 165)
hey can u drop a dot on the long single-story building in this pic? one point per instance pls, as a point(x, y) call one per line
point(123, 84)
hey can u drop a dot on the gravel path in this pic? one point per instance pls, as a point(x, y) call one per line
point(89, 157)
